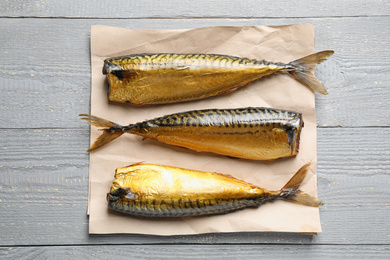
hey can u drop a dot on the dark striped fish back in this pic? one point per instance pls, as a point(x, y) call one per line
point(173, 60)
point(232, 118)
point(170, 209)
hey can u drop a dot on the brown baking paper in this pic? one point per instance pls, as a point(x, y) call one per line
point(272, 43)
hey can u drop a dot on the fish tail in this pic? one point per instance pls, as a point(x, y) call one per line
point(111, 130)
point(302, 70)
point(291, 192)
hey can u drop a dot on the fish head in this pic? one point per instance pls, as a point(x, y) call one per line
point(293, 130)
point(111, 70)
point(115, 194)
point(110, 67)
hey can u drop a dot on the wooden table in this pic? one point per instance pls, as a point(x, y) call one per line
point(45, 84)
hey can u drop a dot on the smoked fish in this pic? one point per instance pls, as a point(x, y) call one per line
point(145, 79)
point(251, 133)
point(149, 190)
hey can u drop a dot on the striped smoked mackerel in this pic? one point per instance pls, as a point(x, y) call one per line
point(250, 133)
point(149, 190)
point(143, 79)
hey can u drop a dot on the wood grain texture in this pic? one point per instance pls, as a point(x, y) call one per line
point(44, 186)
point(197, 252)
point(191, 9)
point(48, 84)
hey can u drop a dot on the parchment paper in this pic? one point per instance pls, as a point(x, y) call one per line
point(272, 43)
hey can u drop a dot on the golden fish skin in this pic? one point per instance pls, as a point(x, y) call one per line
point(149, 190)
point(249, 133)
point(144, 79)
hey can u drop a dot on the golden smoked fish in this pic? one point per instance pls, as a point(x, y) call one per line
point(143, 79)
point(149, 190)
point(250, 133)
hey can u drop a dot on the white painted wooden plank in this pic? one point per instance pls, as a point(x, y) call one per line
point(44, 187)
point(47, 84)
point(199, 252)
point(192, 9)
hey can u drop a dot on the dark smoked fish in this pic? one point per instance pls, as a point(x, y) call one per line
point(148, 190)
point(250, 133)
point(143, 79)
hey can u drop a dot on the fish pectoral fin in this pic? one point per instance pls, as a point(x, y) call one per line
point(124, 193)
point(130, 195)
point(230, 90)
point(182, 67)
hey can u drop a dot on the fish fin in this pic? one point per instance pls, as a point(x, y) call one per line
point(305, 199)
point(110, 133)
point(130, 195)
point(303, 74)
point(291, 193)
point(182, 67)
point(134, 164)
point(104, 139)
point(231, 157)
point(98, 122)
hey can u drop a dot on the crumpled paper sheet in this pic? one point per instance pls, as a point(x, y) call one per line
point(272, 43)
